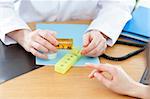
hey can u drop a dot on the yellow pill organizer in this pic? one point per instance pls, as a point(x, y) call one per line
point(64, 43)
point(66, 62)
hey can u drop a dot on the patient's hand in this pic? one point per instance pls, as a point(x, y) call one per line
point(120, 82)
point(94, 44)
point(35, 41)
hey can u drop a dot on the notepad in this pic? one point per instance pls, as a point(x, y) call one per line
point(140, 23)
point(71, 31)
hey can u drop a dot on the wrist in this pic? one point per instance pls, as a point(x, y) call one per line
point(139, 90)
point(19, 35)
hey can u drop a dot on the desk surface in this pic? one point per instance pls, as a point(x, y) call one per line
point(44, 83)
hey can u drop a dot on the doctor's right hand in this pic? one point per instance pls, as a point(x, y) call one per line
point(36, 41)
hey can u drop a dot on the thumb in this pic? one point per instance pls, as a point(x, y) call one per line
point(86, 39)
point(102, 79)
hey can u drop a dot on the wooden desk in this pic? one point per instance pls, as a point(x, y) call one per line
point(44, 83)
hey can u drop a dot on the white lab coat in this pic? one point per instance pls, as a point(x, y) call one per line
point(109, 16)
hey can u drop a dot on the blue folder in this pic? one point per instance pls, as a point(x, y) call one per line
point(139, 25)
point(74, 31)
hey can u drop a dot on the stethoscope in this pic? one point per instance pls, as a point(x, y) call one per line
point(141, 46)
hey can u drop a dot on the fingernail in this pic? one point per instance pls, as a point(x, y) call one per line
point(96, 74)
point(89, 76)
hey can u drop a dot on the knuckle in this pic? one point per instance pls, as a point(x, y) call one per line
point(103, 40)
point(45, 49)
point(38, 46)
point(38, 32)
point(97, 50)
point(40, 55)
point(34, 53)
point(30, 50)
point(45, 34)
point(32, 45)
point(44, 43)
point(95, 55)
point(105, 46)
point(51, 47)
point(94, 44)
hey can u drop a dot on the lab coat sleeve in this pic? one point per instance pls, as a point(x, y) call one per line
point(9, 21)
point(112, 17)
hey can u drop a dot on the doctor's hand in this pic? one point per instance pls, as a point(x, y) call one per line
point(119, 81)
point(36, 41)
point(94, 44)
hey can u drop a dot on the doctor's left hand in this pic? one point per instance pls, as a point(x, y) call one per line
point(94, 44)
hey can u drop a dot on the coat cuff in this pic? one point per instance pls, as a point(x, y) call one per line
point(110, 24)
point(8, 25)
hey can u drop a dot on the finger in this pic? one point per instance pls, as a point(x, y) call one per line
point(46, 44)
point(39, 47)
point(101, 67)
point(98, 50)
point(54, 33)
point(86, 39)
point(94, 43)
point(102, 79)
point(38, 54)
point(113, 69)
point(95, 52)
point(102, 50)
point(48, 36)
point(91, 75)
